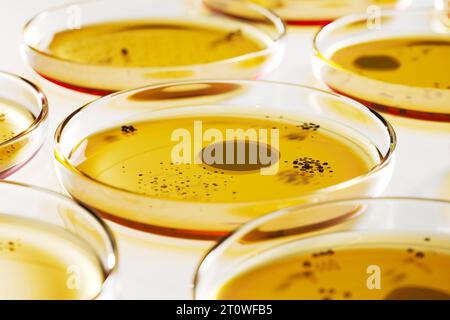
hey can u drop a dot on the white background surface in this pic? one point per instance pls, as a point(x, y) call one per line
point(153, 267)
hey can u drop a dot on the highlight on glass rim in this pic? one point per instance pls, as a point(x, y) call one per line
point(247, 154)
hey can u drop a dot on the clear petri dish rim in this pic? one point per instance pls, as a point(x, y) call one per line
point(355, 18)
point(279, 24)
point(384, 161)
point(41, 98)
point(113, 255)
point(229, 240)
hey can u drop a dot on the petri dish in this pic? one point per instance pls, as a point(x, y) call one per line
point(51, 248)
point(385, 248)
point(197, 159)
point(102, 46)
point(443, 7)
point(387, 63)
point(23, 122)
point(307, 12)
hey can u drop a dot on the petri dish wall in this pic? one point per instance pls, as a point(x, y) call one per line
point(384, 248)
point(23, 122)
point(308, 12)
point(102, 46)
point(388, 63)
point(131, 166)
point(52, 248)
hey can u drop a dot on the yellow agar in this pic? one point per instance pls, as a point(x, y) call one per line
point(150, 43)
point(41, 261)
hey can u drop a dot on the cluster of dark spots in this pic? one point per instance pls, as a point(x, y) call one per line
point(9, 151)
point(327, 293)
point(128, 130)
point(304, 170)
point(8, 135)
point(174, 180)
point(311, 166)
point(308, 126)
point(330, 293)
point(417, 254)
point(328, 252)
point(9, 246)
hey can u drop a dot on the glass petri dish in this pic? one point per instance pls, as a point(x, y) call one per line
point(306, 12)
point(102, 46)
point(23, 122)
point(52, 248)
point(390, 64)
point(130, 169)
point(443, 7)
point(384, 248)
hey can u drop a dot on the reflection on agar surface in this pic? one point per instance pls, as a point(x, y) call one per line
point(185, 91)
